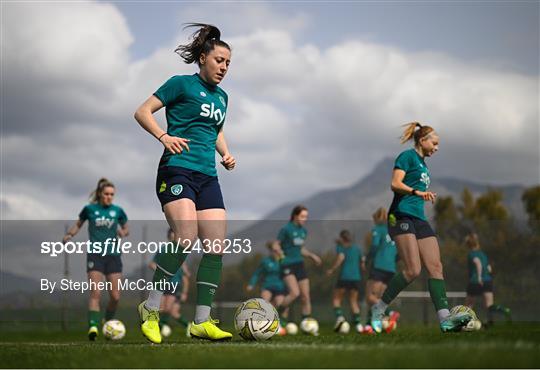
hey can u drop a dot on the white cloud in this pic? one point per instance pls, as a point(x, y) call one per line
point(301, 118)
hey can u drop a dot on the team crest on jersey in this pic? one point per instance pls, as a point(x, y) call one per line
point(112, 213)
point(404, 226)
point(203, 94)
point(176, 189)
point(96, 213)
point(222, 101)
point(90, 264)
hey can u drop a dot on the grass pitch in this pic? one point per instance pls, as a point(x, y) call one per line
point(510, 346)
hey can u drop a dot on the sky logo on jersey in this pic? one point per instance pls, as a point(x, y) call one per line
point(210, 110)
point(425, 179)
point(104, 222)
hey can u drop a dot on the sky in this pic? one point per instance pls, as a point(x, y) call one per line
point(317, 94)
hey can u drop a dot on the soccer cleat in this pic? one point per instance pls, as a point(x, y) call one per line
point(92, 333)
point(392, 321)
point(454, 322)
point(188, 334)
point(208, 330)
point(150, 323)
point(377, 314)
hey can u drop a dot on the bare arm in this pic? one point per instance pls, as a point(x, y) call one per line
point(400, 187)
point(123, 231)
point(228, 161)
point(307, 253)
point(145, 117)
point(337, 262)
point(152, 265)
point(73, 230)
point(478, 265)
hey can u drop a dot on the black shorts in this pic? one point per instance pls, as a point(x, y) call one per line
point(399, 224)
point(104, 264)
point(348, 284)
point(296, 269)
point(381, 275)
point(276, 291)
point(474, 289)
point(173, 183)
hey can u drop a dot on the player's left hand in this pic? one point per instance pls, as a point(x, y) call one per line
point(228, 162)
point(183, 297)
point(316, 259)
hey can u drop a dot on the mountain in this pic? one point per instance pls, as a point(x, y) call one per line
point(351, 207)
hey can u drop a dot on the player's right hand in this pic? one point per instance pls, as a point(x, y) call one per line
point(66, 238)
point(175, 145)
point(249, 288)
point(427, 196)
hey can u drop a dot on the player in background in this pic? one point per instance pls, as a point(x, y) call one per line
point(352, 262)
point(408, 227)
point(172, 299)
point(481, 280)
point(292, 237)
point(187, 185)
point(273, 289)
point(105, 221)
point(382, 259)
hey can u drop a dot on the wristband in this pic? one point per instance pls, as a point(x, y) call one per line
point(159, 138)
point(413, 192)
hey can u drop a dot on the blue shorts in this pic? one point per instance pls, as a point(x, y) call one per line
point(276, 291)
point(105, 264)
point(348, 284)
point(175, 183)
point(381, 275)
point(296, 269)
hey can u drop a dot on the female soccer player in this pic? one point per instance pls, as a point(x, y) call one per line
point(105, 221)
point(382, 259)
point(481, 280)
point(173, 298)
point(272, 288)
point(349, 257)
point(187, 185)
point(408, 227)
point(292, 237)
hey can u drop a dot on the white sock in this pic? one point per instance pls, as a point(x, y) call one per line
point(154, 300)
point(380, 306)
point(202, 313)
point(443, 314)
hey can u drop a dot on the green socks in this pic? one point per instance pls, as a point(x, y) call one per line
point(338, 312)
point(437, 291)
point(356, 318)
point(208, 278)
point(164, 319)
point(396, 285)
point(94, 318)
point(109, 315)
point(182, 321)
point(168, 264)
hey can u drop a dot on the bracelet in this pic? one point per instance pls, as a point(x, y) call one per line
point(159, 138)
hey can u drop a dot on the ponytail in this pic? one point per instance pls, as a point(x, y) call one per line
point(380, 216)
point(204, 41)
point(102, 184)
point(416, 131)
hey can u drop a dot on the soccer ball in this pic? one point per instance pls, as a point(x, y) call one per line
point(114, 330)
point(473, 325)
point(309, 326)
point(166, 330)
point(256, 319)
point(344, 328)
point(291, 328)
point(460, 309)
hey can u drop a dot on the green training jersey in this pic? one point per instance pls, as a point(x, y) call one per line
point(195, 110)
point(269, 269)
point(417, 177)
point(292, 238)
point(103, 223)
point(383, 251)
point(350, 268)
point(473, 274)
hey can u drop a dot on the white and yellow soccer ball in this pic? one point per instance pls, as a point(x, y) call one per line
point(166, 330)
point(473, 325)
point(344, 328)
point(309, 326)
point(114, 330)
point(256, 319)
point(292, 328)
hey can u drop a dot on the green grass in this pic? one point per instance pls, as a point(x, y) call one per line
point(514, 346)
